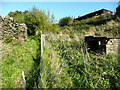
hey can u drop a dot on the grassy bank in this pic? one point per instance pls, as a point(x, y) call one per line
point(23, 56)
point(66, 61)
point(79, 69)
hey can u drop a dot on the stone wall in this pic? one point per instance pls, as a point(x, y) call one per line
point(113, 46)
point(11, 29)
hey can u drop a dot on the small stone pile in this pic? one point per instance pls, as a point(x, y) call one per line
point(113, 46)
point(11, 29)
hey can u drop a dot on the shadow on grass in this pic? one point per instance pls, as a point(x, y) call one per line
point(32, 79)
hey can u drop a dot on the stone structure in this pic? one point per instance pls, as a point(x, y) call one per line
point(11, 29)
point(113, 46)
point(103, 44)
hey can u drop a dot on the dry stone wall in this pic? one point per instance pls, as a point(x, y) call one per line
point(11, 29)
point(113, 46)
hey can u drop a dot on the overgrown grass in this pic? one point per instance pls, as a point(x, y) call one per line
point(18, 58)
point(66, 62)
point(54, 75)
point(95, 26)
point(83, 69)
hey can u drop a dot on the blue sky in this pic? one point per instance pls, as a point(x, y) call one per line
point(59, 0)
point(59, 9)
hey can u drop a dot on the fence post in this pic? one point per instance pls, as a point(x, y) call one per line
point(41, 59)
point(42, 44)
point(0, 54)
point(24, 82)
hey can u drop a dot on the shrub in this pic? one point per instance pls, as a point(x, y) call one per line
point(65, 21)
point(36, 20)
point(118, 11)
point(18, 16)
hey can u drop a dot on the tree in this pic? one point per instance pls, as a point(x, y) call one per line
point(65, 21)
point(118, 11)
point(36, 21)
point(18, 16)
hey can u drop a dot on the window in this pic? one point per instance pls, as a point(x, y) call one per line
point(99, 42)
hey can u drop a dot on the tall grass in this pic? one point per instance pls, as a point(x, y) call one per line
point(84, 70)
point(20, 57)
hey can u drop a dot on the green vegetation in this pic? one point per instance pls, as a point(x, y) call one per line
point(17, 58)
point(18, 16)
point(81, 69)
point(53, 73)
point(118, 11)
point(8, 39)
point(67, 53)
point(65, 21)
point(66, 62)
point(36, 21)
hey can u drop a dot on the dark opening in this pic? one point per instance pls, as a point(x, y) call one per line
point(96, 44)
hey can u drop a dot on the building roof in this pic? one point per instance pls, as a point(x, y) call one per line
point(93, 13)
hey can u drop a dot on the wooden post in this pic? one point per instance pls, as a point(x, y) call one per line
point(0, 54)
point(0, 65)
point(24, 82)
point(42, 44)
point(41, 59)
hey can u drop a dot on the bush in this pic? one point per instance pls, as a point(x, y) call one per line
point(36, 20)
point(18, 16)
point(65, 21)
point(118, 11)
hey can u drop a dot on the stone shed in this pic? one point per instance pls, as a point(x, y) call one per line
point(103, 45)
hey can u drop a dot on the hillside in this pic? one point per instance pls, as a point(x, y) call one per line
point(66, 63)
point(70, 63)
point(96, 26)
point(20, 57)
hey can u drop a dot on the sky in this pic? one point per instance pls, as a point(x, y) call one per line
point(59, 0)
point(73, 8)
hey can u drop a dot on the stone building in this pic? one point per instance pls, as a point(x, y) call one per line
point(103, 44)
